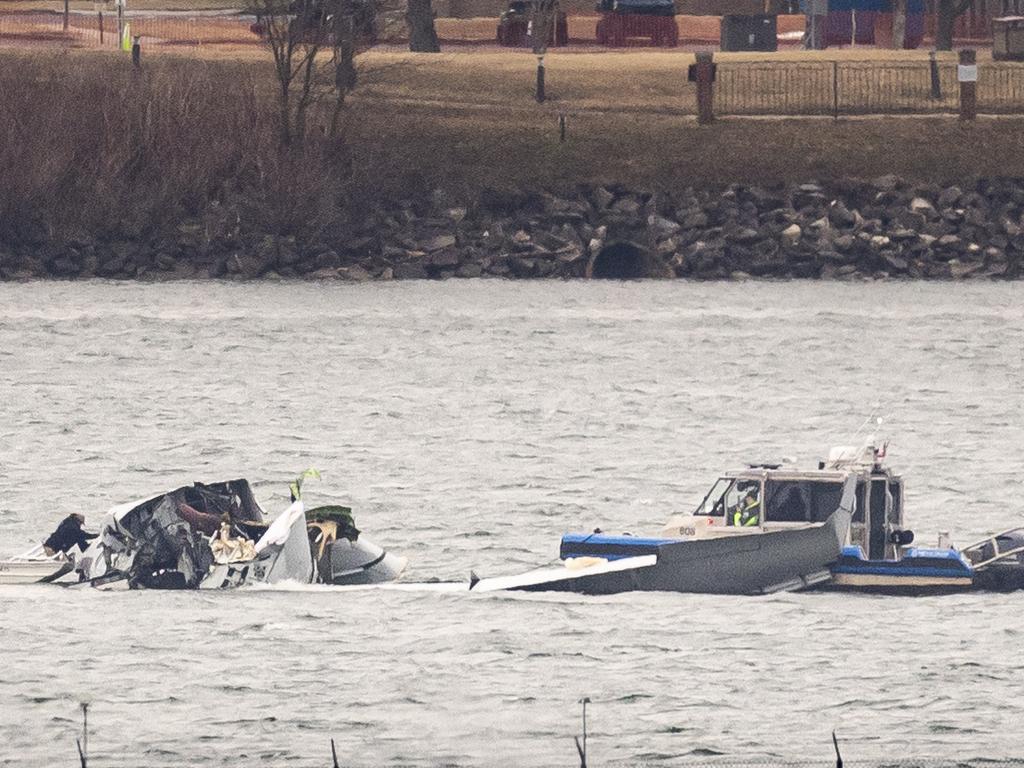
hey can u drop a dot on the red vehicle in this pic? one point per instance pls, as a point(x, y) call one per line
point(624, 22)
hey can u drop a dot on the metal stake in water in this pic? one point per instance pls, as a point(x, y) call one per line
point(583, 749)
point(83, 743)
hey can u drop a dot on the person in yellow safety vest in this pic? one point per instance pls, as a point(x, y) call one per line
point(748, 511)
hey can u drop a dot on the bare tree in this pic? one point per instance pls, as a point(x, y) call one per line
point(422, 36)
point(946, 12)
point(899, 24)
point(542, 24)
point(313, 44)
point(542, 31)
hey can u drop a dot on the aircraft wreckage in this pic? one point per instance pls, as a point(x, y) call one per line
point(213, 536)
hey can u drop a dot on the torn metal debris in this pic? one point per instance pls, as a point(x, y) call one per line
point(215, 536)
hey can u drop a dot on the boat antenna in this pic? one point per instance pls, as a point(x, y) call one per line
point(839, 757)
point(334, 755)
point(874, 417)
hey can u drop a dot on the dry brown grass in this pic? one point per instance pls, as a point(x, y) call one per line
point(468, 120)
point(404, 147)
point(91, 146)
point(652, 81)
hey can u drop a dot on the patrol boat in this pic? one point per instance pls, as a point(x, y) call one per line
point(767, 528)
point(876, 553)
point(704, 552)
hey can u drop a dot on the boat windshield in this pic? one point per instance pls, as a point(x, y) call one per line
point(715, 503)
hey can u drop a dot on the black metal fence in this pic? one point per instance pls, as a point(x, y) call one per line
point(840, 88)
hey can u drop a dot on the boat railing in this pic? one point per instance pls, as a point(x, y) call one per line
point(997, 554)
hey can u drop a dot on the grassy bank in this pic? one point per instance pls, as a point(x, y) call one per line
point(96, 149)
point(468, 120)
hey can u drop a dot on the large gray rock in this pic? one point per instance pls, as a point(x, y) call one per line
point(923, 207)
point(436, 243)
point(950, 197)
point(410, 270)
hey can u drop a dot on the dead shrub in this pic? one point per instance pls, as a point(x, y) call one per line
point(93, 148)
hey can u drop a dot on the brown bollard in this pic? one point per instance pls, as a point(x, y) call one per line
point(705, 77)
point(967, 76)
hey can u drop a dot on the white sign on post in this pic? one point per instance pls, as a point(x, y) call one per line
point(967, 73)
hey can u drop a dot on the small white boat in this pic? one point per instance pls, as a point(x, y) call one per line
point(34, 567)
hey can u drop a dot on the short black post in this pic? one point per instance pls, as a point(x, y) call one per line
point(67, 12)
point(540, 80)
point(967, 75)
point(936, 84)
point(100, 15)
point(705, 77)
point(561, 127)
point(136, 52)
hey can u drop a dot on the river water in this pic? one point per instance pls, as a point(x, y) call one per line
point(470, 424)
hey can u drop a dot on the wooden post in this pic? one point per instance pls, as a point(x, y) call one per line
point(705, 76)
point(67, 14)
point(100, 15)
point(967, 76)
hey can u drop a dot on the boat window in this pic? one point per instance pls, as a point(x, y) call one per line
point(801, 501)
point(714, 503)
point(862, 502)
point(825, 499)
point(788, 501)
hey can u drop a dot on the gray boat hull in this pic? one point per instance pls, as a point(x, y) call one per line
point(751, 564)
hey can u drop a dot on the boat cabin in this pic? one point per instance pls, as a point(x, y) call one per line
point(766, 497)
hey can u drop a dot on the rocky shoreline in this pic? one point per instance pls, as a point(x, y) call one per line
point(843, 229)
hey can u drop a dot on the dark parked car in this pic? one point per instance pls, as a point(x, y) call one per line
point(624, 21)
point(514, 26)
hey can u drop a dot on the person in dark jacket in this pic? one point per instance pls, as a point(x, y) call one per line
point(68, 534)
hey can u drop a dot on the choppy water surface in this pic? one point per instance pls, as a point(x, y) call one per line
point(470, 424)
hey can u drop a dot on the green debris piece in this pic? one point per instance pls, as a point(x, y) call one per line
point(296, 485)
